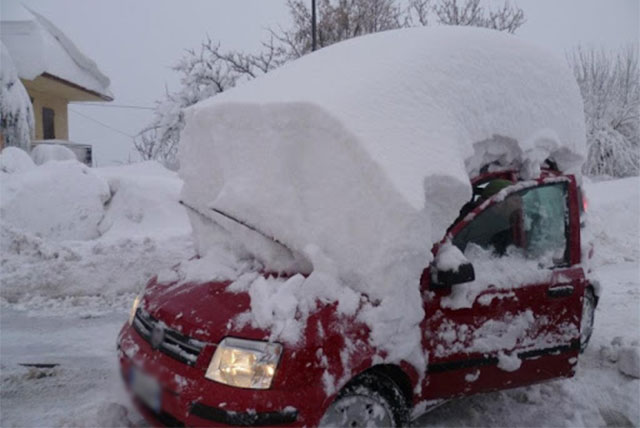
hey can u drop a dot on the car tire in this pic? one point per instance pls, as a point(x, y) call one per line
point(372, 400)
point(589, 303)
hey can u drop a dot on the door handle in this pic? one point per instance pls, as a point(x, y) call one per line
point(560, 290)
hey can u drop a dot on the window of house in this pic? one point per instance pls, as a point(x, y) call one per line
point(48, 129)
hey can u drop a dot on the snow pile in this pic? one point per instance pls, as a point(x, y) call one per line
point(57, 201)
point(16, 113)
point(363, 150)
point(43, 153)
point(629, 361)
point(614, 232)
point(86, 247)
point(13, 159)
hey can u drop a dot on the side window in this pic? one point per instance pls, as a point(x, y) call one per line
point(546, 223)
point(533, 221)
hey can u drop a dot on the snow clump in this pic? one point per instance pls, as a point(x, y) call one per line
point(13, 159)
point(43, 153)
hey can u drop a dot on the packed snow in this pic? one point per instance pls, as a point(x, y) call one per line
point(369, 169)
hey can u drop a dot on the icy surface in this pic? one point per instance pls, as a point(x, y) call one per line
point(43, 153)
point(37, 46)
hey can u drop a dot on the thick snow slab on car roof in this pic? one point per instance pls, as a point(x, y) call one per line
point(364, 149)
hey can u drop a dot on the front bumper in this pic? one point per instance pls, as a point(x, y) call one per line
point(189, 399)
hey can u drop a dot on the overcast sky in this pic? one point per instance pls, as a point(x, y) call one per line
point(135, 43)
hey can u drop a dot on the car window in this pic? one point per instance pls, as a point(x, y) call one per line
point(534, 220)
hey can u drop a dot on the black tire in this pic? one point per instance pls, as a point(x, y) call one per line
point(587, 318)
point(378, 388)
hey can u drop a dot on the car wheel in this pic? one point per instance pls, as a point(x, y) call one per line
point(370, 400)
point(586, 323)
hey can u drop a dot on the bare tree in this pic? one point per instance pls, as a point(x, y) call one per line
point(610, 87)
point(204, 73)
point(337, 20)
point(470, 12)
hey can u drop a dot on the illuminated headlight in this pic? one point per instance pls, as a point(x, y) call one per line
point(244, 363)
point(134, 308)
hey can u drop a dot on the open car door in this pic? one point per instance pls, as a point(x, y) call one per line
point(518, 321)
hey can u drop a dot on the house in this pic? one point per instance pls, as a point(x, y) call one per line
point(51, 68)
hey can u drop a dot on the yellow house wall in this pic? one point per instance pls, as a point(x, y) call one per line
point(59, 106)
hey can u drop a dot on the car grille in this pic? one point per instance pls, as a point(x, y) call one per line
point(166, 340)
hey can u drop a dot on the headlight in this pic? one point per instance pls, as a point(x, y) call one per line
point(134, 308)
point(244, 363)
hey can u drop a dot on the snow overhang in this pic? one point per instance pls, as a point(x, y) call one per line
point(39, 48)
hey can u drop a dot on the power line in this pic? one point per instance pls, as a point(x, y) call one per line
point(114, 106)
point(102, 123)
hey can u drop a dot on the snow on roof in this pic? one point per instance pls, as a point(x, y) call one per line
point(37, 46)
point(364, 149)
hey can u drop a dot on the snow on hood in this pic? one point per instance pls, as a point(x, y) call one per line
point(37, 46)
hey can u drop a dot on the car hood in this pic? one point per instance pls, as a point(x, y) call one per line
point(204, 311)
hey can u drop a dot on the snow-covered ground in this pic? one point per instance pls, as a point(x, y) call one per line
point(63, 301)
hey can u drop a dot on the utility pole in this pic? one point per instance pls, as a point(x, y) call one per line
point(313, 25)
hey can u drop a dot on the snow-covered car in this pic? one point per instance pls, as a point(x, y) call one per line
point(370, 245)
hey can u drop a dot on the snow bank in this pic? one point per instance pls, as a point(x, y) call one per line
point(44, 153)
point(114, 249)
point(57, 201)
point(363, 150)
point(13, 159)
point(144, 202)
point(614, 232)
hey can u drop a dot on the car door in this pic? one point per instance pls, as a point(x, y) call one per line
point(518, 321)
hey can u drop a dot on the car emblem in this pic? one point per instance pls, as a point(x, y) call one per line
point(157, 336)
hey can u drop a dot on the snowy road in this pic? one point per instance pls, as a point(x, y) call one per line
point(85, 389)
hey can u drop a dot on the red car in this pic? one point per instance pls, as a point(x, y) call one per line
point(515, 310)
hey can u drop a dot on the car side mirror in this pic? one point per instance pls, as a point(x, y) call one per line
point(450, 267)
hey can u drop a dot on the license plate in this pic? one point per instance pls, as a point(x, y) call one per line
point(146, 388)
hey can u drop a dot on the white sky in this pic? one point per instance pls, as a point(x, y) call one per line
point(135, 42)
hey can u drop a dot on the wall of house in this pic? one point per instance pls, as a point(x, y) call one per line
point(53, 101)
